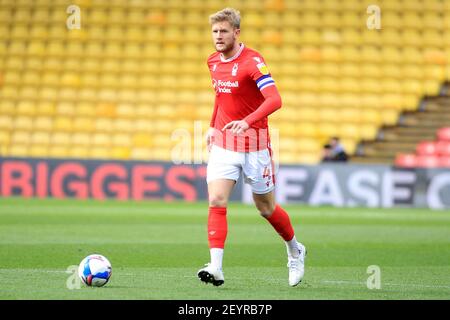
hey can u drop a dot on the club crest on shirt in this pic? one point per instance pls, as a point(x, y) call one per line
point(234, 70)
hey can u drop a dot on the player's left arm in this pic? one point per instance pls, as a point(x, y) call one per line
point(272, 102)
point(272, 99)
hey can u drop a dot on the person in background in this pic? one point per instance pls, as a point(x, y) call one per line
point(326, 153)
point(334, 151)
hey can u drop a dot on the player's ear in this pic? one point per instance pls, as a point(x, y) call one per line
point(237, 32)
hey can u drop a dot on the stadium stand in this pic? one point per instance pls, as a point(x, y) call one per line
point(429, 154)
point(135, 71)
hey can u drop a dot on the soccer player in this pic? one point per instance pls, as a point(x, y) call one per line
point(238, 142)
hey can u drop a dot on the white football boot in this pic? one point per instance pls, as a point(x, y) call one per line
point(211, 274)
point(297, 266)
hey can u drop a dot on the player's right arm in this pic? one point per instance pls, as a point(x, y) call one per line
point(209, 134)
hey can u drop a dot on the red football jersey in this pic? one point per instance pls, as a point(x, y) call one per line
point(238, 82)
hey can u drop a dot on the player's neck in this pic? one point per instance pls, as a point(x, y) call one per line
point(232, 52)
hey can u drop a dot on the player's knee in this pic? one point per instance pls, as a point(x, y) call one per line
point(265, 208)
point(218, 200)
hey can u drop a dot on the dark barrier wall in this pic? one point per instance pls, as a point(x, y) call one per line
point(337, 185)
point(101, 179)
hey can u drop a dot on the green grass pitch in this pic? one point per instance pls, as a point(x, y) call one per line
point(156, 249)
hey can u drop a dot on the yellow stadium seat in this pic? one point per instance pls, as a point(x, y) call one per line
point(125, 110)
point(18, 150)
point(56, 48)
point(31, 78)
point(350, 85)
point(432, 87)
point(411, 19)
point(20, 137)
point(371, 116)
point(46, 108)
point(98, 16)
point(328, 115)
point(7, 107)
point(101, 139)
point(26, 108)
point(112, 49)
point(330, 69)
point(368, 131)
point(389, 117)
point(5, 138)
point(288, 158)
point(79, 152)
point(85, 109)
point(134, 33)
point(141, 154)
point(9, 91)
point(6, 122)
point(435, 72)
point(40, 138)
point(287, 144)
point(17, 47)
point(23, 123)
point(12, 77)
point(371, 54)
point(349, 115)
point(412, 54)
point(392, 71)
point(162, 153)
point(22, 15)
point(122, 153)
point(80, 139)
point(105, 109)
point(371, 86)
point(60, 138)
point(328, 84)
point(326, 130)
point(121, 140)
point(142, 140)
point(351, 54)
point(350, 100)
point(391, 85)
point(99, 152)
point(349, 145)
point(83, 124)
point(412, 86)
point(63, 124)
point(307, 158)
point(307, 145)
point(36, 49)
point(349, 130)
point(152, 51)
point(390, 19)
point(65, 109)
point(38, 151)
point(123, 125)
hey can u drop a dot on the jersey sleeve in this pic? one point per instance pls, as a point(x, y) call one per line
point(213, 117)
point(260, 73)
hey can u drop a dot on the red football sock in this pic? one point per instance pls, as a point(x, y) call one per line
point(217, 227)
point(279, 219)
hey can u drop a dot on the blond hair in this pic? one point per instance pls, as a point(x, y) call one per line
point(228, 14)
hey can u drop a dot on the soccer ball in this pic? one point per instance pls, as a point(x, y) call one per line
point(95, 270)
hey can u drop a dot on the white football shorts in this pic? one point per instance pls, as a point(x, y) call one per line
point(256, 166)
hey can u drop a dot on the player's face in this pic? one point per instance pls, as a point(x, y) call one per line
point(224, 36)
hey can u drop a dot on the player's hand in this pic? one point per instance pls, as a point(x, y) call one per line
point(237, 126)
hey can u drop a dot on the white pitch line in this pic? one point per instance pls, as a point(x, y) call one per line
point(337, 282)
